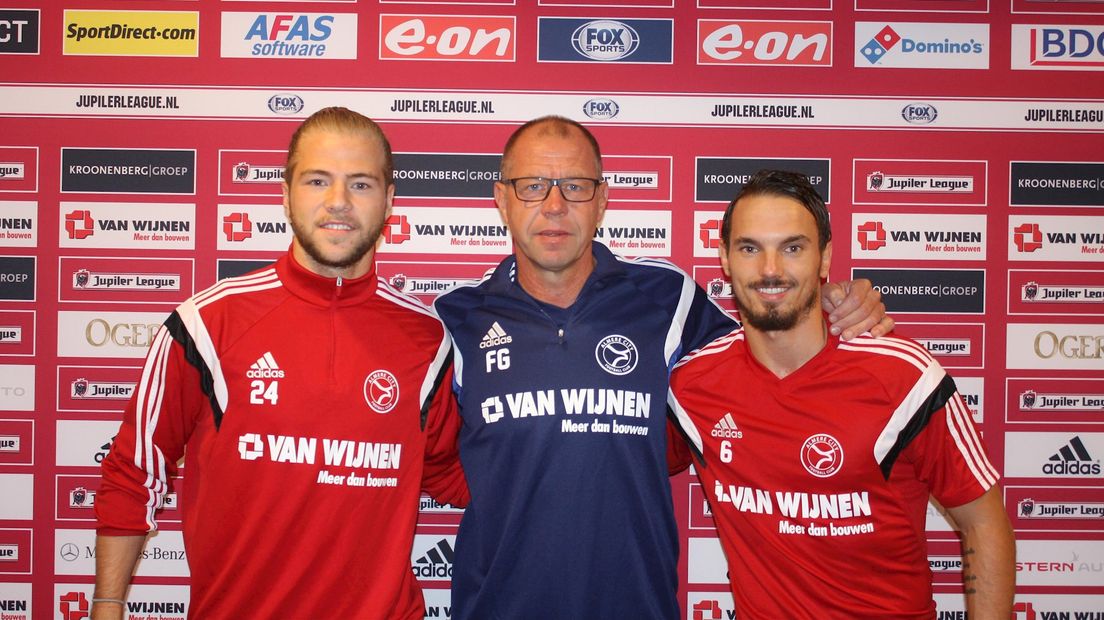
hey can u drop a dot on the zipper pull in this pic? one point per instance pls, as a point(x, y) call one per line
point(561, 335)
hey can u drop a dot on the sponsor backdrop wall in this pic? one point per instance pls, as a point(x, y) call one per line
point(960, 144)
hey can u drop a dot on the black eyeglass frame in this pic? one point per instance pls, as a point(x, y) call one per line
point(553, 183)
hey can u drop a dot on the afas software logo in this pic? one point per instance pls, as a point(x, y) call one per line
point(289, 35)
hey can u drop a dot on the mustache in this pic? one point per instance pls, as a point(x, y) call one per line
point(772, 283)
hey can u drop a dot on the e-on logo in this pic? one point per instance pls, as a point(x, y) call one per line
point(605, 39)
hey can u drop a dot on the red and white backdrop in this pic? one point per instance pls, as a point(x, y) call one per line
point(960, 144)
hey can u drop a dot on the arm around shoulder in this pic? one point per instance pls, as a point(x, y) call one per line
point(855, 307)
point(988, 556)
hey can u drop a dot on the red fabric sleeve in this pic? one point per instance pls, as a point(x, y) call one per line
point(157, 422)
point(950, 457)
point(678, 451)
point(442, 476)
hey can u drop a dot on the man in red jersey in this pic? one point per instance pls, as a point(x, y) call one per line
point(818, 463)
point(307, 399)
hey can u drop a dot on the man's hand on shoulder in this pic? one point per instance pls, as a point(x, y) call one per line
point(855, 307)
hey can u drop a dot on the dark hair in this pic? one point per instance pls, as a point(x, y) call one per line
point(340, 120)
point(789, 185)
point(556, 125)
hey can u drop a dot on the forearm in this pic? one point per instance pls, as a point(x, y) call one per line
point(988, 557)
point(116, 557)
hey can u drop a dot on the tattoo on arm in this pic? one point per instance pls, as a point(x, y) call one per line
point(968, 576)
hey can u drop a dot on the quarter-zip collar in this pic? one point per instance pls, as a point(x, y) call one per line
point(322, 290)
point(504, 280)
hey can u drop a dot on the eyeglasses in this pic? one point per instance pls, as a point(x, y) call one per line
point(536, 189)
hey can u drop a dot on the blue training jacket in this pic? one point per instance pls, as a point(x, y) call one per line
point(564, 441)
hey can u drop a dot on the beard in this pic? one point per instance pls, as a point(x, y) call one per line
point(773, 317)
point(346, 259)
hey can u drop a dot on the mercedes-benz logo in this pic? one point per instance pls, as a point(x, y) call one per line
point(69, 552)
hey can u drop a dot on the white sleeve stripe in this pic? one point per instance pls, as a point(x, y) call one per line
point(145, 423)
point(665, 264)
point(964, 414)
point(678, 321)
point(403, 301)
point(885, 344)
point(153, 457)
point(151, 377)
point(968, 443)
point(229, 284)
point(191, 320)
point(720, 345)
point(685, 422)
point(928, 381)
point(646, 260)
point(210, 299)
point(892, 341)
point(965, 451)
point(892, 352)
point(487, 275)
point(457, 366)
point(434, 371)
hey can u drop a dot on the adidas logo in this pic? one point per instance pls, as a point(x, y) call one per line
point(435, 563)
point(1072, 459)
point(494, 337)
point(726, 427)
point(265, 368)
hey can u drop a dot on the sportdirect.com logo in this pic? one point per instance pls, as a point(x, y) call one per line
point(131, 33)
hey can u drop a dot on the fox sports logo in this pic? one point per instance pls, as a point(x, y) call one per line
point(601, 108)
point(605, 40)
point(919, 113)
point(285, 104)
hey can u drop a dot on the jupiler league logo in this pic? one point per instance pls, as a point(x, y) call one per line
point(876, 179)
point(1027, 399)
point(1030, 290)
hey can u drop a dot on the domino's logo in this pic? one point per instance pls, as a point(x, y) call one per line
point(886, 39)
point(913, 45)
